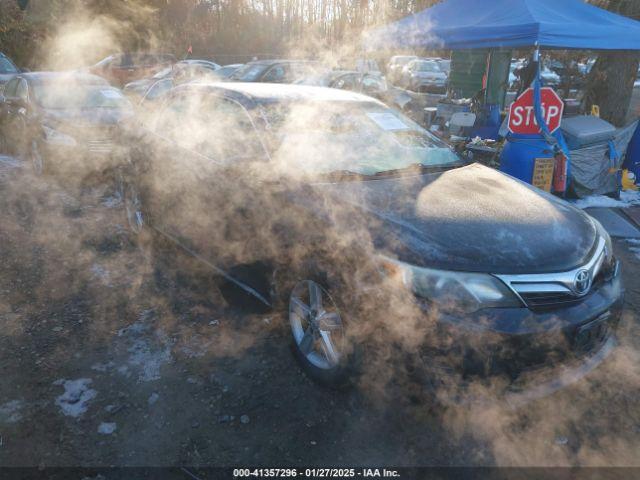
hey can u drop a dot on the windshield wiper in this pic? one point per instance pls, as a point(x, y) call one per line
point(338, 175)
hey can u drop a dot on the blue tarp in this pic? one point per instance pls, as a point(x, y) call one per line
point(467, 24)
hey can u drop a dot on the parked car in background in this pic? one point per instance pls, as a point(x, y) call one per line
point(370, 84)
point(7, 70)
point(445, 65)
point(187, 70)
point(549, 77)
point(424, 76)
point(183, 71)
point(137, 89)
point(122, 68)
point(62, 122)
point(349, 216)
point(154, 93)
point(226, 71)
point(275, 71)
point(395, 66)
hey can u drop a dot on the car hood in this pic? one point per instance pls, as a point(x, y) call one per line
point(471, 218)
point(87, 117)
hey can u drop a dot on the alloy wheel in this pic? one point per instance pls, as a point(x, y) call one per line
point(316, 325)
point(133, 208)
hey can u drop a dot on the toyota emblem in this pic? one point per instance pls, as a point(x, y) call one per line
point(582, 283)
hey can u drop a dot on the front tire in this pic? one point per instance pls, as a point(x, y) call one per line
point(136, 219)
point(318, 333)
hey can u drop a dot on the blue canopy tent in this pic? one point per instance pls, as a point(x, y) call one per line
point(512, 24)
point(470, 24)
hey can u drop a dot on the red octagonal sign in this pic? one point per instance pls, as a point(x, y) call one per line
point(522, 118)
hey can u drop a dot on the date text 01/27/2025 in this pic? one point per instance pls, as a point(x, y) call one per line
point(316, 473)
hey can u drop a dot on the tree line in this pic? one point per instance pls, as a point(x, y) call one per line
point(73, 33)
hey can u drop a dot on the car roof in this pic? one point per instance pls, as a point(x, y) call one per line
point(197, 61)
point(273, 62)
point(75, 76)
point(275, 92)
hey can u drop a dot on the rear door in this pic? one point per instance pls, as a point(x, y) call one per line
point(226, 202)
point(16, 125)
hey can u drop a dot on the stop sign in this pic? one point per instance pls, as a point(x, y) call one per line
point(522, 117)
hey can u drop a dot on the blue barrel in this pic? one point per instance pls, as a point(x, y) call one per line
point(632, 160)
point(519, 155)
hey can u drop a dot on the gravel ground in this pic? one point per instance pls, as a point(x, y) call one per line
point(112, 356)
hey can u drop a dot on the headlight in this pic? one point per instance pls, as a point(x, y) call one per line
point(454, 292)
point(608, 246)
point(54, 136)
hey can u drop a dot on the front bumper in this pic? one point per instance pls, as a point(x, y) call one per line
point(529, 354)
point(85, 157)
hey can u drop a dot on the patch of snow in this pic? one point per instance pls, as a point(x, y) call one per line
point(627, 199)
point(76, 397)
point(10, 411)
point(103, 367)
point(107, 428)
point(149, 358)
point(153, 398)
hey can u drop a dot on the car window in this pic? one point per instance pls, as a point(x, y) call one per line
point(212, 126)
point(6, 66)
point(228, 134)
point(167, 123)
point(276, 74)
point(347, 82)
point(158, 88)
point(248, 73)
point(372, 84)
point(362, 137)
point(10, 89)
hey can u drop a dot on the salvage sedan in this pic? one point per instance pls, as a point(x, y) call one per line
point(368, 230)
point(63, 122)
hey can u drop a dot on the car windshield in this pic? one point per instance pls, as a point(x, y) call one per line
point(59, 95)
point(427, 67)
point(249, 73)
point(6, 66)
point(226, 71)
point(364, 138)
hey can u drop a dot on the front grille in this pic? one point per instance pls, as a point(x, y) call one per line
point(100, 146)
point(540, 301)
point(551, 291)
